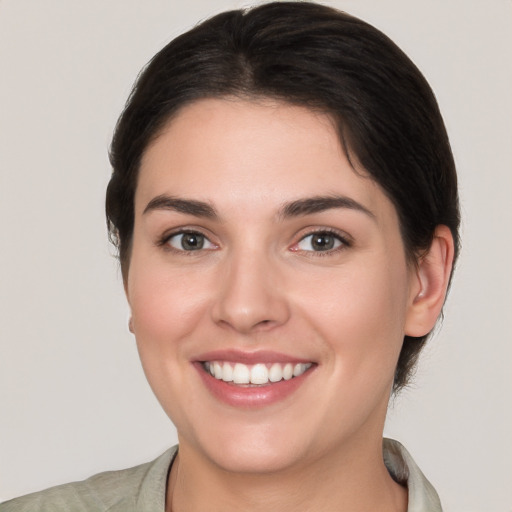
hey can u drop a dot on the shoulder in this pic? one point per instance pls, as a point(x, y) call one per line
point(137, 488)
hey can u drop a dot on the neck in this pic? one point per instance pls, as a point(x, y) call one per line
point(354, 480)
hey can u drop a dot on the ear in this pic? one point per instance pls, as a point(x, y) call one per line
point(430, 284)
point(130, 319)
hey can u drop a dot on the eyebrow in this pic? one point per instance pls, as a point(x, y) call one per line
point(317, 204)
point(187, 206)
point(297, 208)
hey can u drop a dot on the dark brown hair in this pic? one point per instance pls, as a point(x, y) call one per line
point(318, 57)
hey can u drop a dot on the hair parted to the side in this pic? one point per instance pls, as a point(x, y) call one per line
point(321, 58)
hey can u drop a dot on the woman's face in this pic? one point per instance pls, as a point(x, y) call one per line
point(258, 251)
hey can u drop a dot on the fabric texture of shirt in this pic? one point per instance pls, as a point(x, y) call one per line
point(143, 488)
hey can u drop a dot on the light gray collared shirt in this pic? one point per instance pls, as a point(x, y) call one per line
point(143, 488)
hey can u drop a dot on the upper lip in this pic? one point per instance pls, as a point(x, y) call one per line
point(259, 356)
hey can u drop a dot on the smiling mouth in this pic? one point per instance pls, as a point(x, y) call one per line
point(259, 374)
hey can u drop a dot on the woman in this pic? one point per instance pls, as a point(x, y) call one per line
point(284, 202)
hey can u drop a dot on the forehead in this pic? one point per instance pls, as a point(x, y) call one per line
point(235, 152)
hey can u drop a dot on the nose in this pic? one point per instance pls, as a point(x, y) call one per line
point(251, 297)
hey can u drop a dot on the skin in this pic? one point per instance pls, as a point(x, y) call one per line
point(259, 284)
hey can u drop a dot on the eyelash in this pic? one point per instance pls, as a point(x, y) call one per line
point(165, 239)
point(344, 240)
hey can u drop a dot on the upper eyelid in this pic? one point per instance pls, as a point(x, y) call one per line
point(346, 242)
point(342, 235)
point(167, 235)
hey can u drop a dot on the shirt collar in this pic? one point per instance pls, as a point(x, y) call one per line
point(401, 466)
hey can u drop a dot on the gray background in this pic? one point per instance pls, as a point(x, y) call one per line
point(73, 399)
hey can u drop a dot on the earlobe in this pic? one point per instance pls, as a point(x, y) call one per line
point(431, 283)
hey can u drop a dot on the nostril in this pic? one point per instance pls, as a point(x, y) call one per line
point(263, 324)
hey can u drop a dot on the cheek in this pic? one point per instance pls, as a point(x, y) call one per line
point(361, 313)
point(165, 305)
point(167, 309)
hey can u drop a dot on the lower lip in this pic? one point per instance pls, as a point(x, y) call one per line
point(251, 396)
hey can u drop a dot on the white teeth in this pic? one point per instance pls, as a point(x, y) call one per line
point(227, 372)
point(288, 371)
point(241, 374)
point(217, 370)
point(276, 373)
point(299, 369)
point(258, 374)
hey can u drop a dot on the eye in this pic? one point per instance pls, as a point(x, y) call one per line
point(189, 241)
point(321, 241)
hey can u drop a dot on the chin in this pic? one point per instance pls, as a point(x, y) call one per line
point(256, 459)
point(252, 449)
